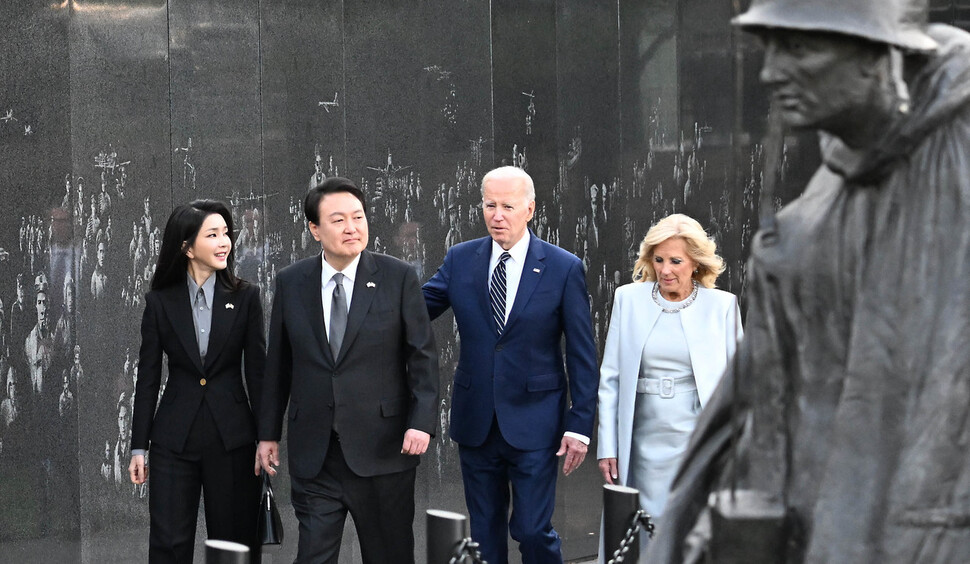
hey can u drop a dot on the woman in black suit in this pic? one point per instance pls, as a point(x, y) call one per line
point(203, 433)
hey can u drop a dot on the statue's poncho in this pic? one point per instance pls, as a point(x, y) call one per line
point(852, 386)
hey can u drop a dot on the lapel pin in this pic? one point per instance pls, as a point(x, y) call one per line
point(371, 285)
point(536, 270)
point(230, 306)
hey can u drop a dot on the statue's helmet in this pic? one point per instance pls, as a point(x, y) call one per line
point(901, 23)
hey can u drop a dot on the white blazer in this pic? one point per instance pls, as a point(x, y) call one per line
point(712, 325)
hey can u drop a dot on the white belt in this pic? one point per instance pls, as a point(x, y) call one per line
point(666, 387)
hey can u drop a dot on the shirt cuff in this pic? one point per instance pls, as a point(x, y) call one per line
point(139, 451)
point(581, 438)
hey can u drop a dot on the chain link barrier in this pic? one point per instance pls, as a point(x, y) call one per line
point(641, 520)
point(468, 548)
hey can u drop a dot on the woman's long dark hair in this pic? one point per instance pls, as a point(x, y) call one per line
point(180, 232)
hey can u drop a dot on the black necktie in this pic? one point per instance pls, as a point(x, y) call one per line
point(338, 315)
point(497, 291)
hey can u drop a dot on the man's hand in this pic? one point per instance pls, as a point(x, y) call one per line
point(575, 452)
point(267, 456)
point(415, 442)
point(138, 470)
point(608, 468)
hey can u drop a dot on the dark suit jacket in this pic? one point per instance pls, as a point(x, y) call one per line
point(520, 376)
point(237, 332)
point(383, 382)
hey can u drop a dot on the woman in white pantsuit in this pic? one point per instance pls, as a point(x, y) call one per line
point(671, 336)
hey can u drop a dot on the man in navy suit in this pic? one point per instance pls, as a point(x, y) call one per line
point(514, 298)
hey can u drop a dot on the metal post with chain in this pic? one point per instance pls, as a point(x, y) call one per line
point(640, 521)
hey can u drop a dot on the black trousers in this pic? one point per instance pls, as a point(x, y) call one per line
point(382, 508)
point(205, 467)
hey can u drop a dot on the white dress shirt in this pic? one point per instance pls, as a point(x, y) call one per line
point(327, 285)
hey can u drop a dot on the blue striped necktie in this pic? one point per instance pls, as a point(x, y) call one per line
point(497, 291)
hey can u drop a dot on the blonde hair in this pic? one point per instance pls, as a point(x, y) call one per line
point(700, 248)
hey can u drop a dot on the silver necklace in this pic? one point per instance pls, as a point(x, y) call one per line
point(690, 299)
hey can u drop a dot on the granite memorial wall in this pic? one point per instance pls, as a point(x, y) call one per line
point(114, 111)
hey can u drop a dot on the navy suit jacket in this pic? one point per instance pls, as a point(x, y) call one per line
point(519, 378)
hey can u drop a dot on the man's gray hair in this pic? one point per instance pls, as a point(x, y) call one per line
point(510, 172)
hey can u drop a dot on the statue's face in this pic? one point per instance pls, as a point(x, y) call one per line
point(819, 80)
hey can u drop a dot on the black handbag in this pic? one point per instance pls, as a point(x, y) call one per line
point(269, 527)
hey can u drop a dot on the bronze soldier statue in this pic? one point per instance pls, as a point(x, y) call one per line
point(840, 433)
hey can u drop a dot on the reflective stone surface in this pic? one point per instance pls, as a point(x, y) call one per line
point(113, 111)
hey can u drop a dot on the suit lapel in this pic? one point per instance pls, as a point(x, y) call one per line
point(223, 318)
point(480, 278)
point(532, 272)
point(366, 285)
point(179, 310)
point(312, 292)
point(701, 332)
point(643, 318)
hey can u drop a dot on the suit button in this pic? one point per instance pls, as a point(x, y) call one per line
point(202, 382)
point(498, 348)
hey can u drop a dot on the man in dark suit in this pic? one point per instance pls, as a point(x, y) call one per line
point(352, 352)
point(514, 298)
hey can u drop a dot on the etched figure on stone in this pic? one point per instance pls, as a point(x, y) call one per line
point(318, 175)
point(146, 218)
point(530, 111)
point(77, 373)
point(838, 433)
point(99, 278)
point(106, 465)
point(64, 329)
point(39, 346)
point(65, 401)
point(122, 442)
point(104, 198)
point(19, 324)
point(8, 407)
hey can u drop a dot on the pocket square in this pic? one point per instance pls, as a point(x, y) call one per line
point(230, 306)
point(371, 285)
point(536, 270)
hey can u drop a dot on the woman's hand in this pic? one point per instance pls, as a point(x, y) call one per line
point(608, 468)
point(138, 470)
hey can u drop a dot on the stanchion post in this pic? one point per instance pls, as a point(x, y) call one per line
point(620, 505)
point(225, 552)
point(446, 530)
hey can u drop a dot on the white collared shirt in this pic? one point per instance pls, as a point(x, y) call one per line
point(327, 285)
point(513, 268)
